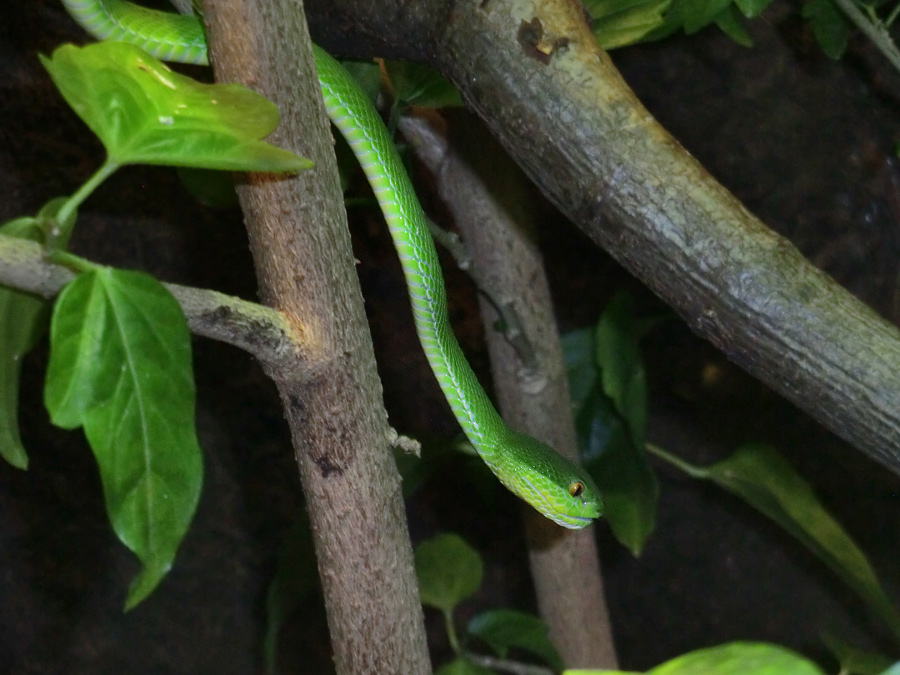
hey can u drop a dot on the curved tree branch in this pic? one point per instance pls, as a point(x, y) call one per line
point(531, 69)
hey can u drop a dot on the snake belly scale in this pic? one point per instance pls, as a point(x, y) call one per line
point(555, 486)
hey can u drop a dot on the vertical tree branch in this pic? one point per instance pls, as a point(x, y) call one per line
point(332, 399)
point(484, 191)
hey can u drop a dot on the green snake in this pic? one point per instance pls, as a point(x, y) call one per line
point(558, 488)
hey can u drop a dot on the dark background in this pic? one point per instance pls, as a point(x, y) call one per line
point(805, 142)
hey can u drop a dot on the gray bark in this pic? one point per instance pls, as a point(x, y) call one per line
point(486, 195)
point(331, 393)
point(533, 72)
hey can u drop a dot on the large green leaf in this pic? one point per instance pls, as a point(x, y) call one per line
point(762, 478)
point(621, 470)
point(739, 658)
point(449, 571)
point(120, 366)
point(621, 366)
point(23, 320)
point(607, 380)
point(581, 366)
point(144, 113)
point(504, 628)
point(734, 658)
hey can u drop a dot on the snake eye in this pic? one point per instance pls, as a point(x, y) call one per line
point(576, 489)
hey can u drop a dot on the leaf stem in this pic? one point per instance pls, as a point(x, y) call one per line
point(690, 469)
point(451, 632)
point(72, 262)
point(873, 29)
point(68, 209)
point(889, 21)
point(507, 665)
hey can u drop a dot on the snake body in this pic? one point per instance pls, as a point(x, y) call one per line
point(555, 486)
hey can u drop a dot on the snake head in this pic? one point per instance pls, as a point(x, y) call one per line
point(557, 487)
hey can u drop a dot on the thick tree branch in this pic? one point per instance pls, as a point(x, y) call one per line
point(532, 71)
point(303, 258)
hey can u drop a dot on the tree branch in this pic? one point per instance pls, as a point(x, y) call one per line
point(259, 330)
point(533, 72)
point(483, 191)
point(304, 262)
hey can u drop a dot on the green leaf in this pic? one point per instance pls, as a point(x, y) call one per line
point(702, 13)
point(829, 26)
point(734, 658)
point(120, 366)
point(581, 368)
point(418, 85)
point(621, 470)
point(463, 667)
point(449, 571)
point(752, 8)
point(739, 658)
point(594, 671)
point(23, 319)
point(503, 629)
point(893, 670)
point(855, 660)
point(144, 113)
point(729, 22)
point(762, 478)
point(617, 23)
point(694, 15)
point(608, 388)
point(621, 366)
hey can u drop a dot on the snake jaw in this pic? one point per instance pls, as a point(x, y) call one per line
point(560, 513)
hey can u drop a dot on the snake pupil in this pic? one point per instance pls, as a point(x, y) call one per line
point(576, 489)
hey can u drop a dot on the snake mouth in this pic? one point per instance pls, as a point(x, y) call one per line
point(553, 511)
point(574, 522)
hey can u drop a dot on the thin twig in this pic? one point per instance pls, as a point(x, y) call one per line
point(875, 31)
point(259, 330)
point(507, 665)
point(509, 324)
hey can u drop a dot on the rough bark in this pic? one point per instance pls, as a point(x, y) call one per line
point(485, 194)
point(331, 395)
point(260, 331)
point(532, 71)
